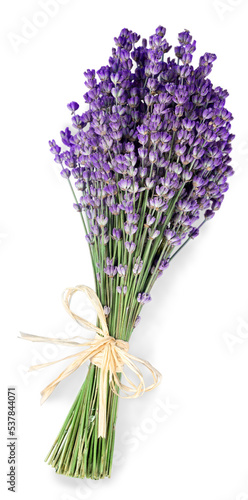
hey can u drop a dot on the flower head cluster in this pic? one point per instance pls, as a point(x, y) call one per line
point(149, 155)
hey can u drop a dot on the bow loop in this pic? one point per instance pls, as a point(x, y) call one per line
point(67, 297)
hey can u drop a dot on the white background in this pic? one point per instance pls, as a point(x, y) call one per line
point(195, 331)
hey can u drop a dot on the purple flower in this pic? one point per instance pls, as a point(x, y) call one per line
point(149, 220)
point(73, 106)
point(172, 237)
point(77, 122)
point(130, 228)
point(132, 218)
point(65, 173)
point(186, 175)
point(125, 184)
point(109, 261)
point(158, 204)
point(137, 268)
point(143, 152)
point(54, 148)
point(187, 205)
point(153, 156)
point(114, 209)
point(130, 246)
point(95, 230)
point(198, 181)
point(143, 298)
point(194, 233)
point(153, 233)
point(78, 207)
point(110, 271)
point(180, 149)
point(89, 238)
point(164, 264)
point(102, 220)
point(209, 214)
point(116, 234)
point(137, 321)
point(121, 289)
point(106, 310)
point(122, 270)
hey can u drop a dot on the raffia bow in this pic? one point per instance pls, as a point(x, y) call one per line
point(104, 351)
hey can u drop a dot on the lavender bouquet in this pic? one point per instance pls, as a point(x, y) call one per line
point(150, 162)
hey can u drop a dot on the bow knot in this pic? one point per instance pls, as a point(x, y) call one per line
point(107, 353)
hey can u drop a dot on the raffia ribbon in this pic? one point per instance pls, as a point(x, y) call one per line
point(104, 351)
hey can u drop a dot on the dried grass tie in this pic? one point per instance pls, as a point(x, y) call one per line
point(104, 351)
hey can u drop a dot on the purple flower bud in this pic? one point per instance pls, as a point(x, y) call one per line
point(153, 234)
point(207, 59)
point(179, 149)
point(109, 261)
point(110, 271)
point(95, 230)
point(197, 152)
point(130, 246)
point(132, 218)
point(149, 220)
point(207, 113)
point(185, 37)
point(130, 228)
point(216, 204)
point(77, 122)
point(157, 204)
point(194, 233)
point(143, 298)
point(54, 148)
point(65, 173)
point(163, 264)
point(78, 207)
point(186, 175)
point(137, 268)
point(172, 237)
point(149, 183)
point(209, 214)
point(106, 239)
point(121, 289)
point(198, 181)
point(106, 310)
point(102, 220)
point(103, 73)
point(114, 209)
point(187, 205)
point(160, 31)
point(116, 234)
point(89, 238)
point(153, 156)
point(125, 184)
point(122, 270)
point(188, 124)
point(187, 58)
point(73, 106)
point(143, 152)
point(137, 321)
point(80, 184)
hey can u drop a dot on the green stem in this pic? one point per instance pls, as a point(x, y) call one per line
point(78, 451)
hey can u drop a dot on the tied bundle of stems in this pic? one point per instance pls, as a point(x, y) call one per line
point(150, 159)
